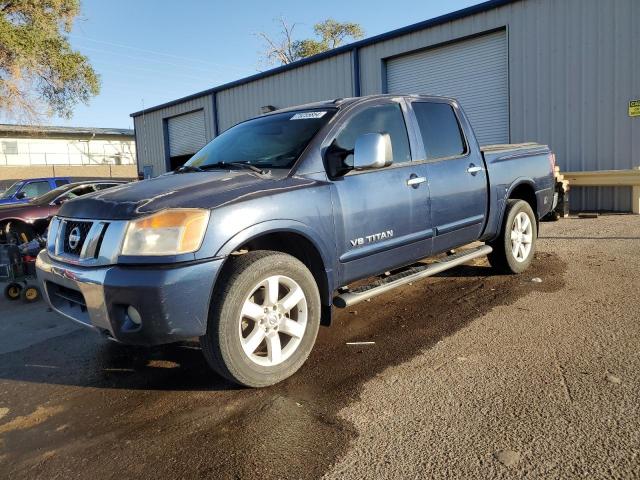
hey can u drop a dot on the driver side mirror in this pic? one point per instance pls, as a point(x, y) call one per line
point(60, 200)
point(21, 195)
point(372, 150)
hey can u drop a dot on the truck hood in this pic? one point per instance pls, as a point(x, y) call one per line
point(186, 190)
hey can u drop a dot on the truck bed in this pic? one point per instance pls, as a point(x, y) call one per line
point(495, 152)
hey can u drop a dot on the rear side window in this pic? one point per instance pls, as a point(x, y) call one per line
point(35, 189)
point(440, 130)
point(59, 183)
point(378, 119)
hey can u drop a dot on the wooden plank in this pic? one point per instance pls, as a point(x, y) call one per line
point(604, 178)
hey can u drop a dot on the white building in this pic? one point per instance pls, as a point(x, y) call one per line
point(25, 146)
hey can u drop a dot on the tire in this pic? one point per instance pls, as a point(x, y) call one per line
point(231, 343)
point(30, 294)
point(503, 258)
point(12, 291)
point(18, 230)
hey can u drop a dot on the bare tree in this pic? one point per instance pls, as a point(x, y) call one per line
point(285, 49)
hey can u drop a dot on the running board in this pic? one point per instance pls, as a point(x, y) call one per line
point(412, 274)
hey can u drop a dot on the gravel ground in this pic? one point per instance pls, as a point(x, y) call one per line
point(548, 387)
point(472, 375)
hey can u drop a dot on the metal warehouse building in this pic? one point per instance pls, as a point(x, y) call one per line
point(560, 72)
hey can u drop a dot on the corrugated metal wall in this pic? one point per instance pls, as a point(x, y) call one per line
point(573, 67)
point(326, 79)
point(149, 127)
point(453, 71)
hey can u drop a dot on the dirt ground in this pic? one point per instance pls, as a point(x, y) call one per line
point(471, 375)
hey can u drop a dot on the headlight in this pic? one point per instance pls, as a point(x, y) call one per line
point(169, 232)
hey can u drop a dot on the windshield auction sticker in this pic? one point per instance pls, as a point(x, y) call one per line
point(307, 115)
point(634, 108)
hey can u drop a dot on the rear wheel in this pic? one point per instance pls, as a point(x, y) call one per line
point(264, 319)
point(514, 249)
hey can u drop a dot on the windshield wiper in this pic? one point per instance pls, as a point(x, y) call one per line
point(234, 164)
point(187, 169)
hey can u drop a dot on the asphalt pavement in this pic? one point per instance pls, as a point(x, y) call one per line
point(471, 375)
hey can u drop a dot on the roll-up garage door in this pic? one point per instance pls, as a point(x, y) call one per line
point(474, 71)
point(186, 134)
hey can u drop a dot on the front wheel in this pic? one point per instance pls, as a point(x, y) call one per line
point(264, 319)
point(514, 249)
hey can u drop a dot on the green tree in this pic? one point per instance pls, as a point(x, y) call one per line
point(40, 74)
point(285, 49)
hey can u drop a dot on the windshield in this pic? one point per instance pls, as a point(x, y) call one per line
point(273, 141)
point(10, 192)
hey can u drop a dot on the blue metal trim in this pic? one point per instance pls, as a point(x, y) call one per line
point(449, 17)
point(165, 138)
point(214, 106)
point(466, 222)
point(355, 69)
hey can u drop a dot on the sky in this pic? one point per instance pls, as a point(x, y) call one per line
point(151, 51)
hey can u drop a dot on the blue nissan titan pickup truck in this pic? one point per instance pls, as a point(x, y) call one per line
point(252, 243)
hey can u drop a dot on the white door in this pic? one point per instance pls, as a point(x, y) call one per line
point(186, 133)
point(474, 71)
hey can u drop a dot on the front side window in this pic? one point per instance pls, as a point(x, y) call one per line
point(379, 119)
point(441, 133)
point(35, 189)
point(11, 191)
point(272, 141)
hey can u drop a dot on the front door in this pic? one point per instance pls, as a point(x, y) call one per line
point(382, 215)
point(456, 173)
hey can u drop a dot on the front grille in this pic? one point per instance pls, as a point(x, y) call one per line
point(75, 235)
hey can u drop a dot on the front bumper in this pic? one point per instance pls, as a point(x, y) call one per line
point(173, 300)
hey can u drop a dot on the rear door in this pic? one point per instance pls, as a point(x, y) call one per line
point(455, 171)
point(381, 220)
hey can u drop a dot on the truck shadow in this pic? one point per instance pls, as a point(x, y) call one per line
point(134, 393)
point(84, 359)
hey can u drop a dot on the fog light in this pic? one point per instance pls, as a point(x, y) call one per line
point(134, 315)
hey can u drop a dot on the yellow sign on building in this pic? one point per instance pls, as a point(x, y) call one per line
point(634, 108)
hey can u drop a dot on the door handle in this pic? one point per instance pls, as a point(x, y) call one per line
point(473, 169)
point(415, 181)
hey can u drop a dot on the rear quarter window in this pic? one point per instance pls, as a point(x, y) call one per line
point(59, 183)
point(441, 133)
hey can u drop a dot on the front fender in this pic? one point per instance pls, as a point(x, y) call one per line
point(296, 227)
point(276, 226)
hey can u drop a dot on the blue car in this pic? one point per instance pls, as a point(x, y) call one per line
point(25, 190)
